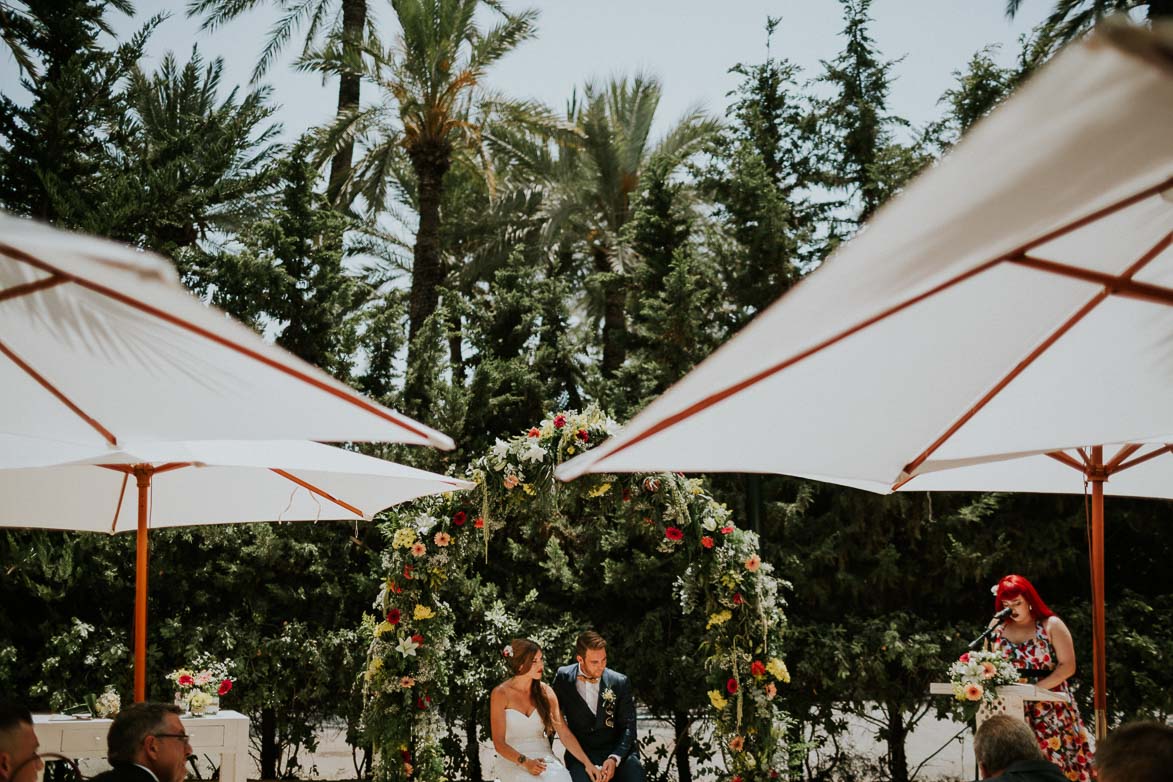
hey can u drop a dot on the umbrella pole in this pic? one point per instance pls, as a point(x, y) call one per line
point(1097, 476)
point(142, 474)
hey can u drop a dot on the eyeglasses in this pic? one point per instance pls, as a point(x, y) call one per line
point(186, 738)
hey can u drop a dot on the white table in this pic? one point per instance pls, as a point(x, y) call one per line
point(226, 733)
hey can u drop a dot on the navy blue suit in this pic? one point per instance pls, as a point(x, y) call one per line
point(610, 730)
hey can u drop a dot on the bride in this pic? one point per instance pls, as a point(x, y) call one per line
point(524, 715)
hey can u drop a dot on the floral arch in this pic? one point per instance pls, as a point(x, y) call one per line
point(421, 654)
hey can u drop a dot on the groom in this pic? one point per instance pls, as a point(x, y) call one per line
point(599, 709)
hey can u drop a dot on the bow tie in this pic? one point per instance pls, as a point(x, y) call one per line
point(592, 680)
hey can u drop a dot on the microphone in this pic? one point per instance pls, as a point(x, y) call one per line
point(1005, 612)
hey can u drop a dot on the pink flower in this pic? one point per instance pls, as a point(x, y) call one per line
point(459, 518)
point(973, 692)
point(771, 690)
point(726, 530)
point(737, 743)
point(225, 687)
point(559, 421)
point(963, 658)
point(418, 549)
point(673, 533)
point(753, 563)
point(406, 682)
point(707, 542)
point(535, 432)
point(731, 686)
point(989, 671)
point(442, 539)
point(511, 481)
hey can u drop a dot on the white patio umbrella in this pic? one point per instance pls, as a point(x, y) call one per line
point(99, 343)
point(1015, 301)
point(205, 482)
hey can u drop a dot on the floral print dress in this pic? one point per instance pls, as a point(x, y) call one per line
point(1061, 734)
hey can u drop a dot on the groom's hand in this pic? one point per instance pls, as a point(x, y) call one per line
point(608, 770)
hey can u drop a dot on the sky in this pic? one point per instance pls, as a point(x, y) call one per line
point(688, 44)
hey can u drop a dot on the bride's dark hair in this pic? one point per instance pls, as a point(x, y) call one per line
point(520, 662)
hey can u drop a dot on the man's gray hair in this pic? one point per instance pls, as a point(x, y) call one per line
point(1002, 741)
point(133, 724)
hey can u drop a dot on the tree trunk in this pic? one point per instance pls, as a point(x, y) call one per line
point(456, 347)
point(354, 19)
point(268, 744)
point(614, 315)
point(472, 746)
point(682, 723)
point(430, 161)
point(897, 733)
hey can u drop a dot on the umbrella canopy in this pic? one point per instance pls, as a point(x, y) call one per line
point(99, 343)
point(203, 482)
point(1015, 301)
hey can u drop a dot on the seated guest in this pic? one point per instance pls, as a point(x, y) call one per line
point(1006, 749)
point(18, 745)
point(146, 743)
point(1137, 752)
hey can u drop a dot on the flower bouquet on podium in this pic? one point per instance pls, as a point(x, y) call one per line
point(200, 685)
point(975, 676)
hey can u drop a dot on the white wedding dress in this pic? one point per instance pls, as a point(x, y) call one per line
point(525, 734)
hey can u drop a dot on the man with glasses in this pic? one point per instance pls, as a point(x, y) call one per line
point(146, 743)
point(18, 745)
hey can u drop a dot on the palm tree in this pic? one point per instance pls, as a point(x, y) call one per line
point(347, 20)
point(593, 196)
point(1070, 19)
point(433, 111)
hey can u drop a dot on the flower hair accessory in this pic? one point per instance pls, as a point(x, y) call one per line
point(507, 651)
point(994, 589)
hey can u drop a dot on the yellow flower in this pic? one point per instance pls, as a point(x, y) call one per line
point(599, 490)
point(529, 489)
point(383, 627)
point(695, 486)
point(1073, 775)
point(777, 669)
point(717, 699)
point(404, 537)
point(1054, 742)
point(374, 667)
point(719, 618)
point(422, 612)
point(570, 449)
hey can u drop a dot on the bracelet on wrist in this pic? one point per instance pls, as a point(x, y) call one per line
point(521, 759)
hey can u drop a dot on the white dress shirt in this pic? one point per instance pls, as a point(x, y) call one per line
point(589, 692)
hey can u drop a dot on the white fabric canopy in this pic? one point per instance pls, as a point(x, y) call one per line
point(100, 344)
point(1015, 299)
point(220, 482)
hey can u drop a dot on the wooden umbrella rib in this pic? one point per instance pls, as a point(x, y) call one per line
point(1121, 455)
point(1059, 456)
point(174, 320)
point(28, 288)
point(1018, 369)
point(1116, 286)
point(315, 490)
point(61, 397)
point(1144, 458)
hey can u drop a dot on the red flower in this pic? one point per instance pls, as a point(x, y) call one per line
point(417, 638)
point(584, 435)
point(559, 421)
point(738, 599)
point(731, 686)
point(535, 431)
point(422, 703)
point(185, 680)
point(406, 754)
point(459, 518)
point(736, 778)
point(673, 533)
point(963, 658)
point(393, 616)
point(758, 668)
point(707, 542)
point(479, 523)
point(225, 687)
point(407, 572)
point(627, 495)
point(726, 530)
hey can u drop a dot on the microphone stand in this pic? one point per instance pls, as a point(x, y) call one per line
point(975, 643)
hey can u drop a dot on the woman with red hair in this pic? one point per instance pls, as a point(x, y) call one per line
point(1033, 638)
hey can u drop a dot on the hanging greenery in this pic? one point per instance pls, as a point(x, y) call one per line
point(724, 589)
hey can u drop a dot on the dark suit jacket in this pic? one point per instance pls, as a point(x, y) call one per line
point(124, 772)
point(611, 729)
point(1032, 771)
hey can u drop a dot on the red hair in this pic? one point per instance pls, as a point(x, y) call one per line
point(1013, 586)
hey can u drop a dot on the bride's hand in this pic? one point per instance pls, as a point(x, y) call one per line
point(535, 766)
point(594, 772)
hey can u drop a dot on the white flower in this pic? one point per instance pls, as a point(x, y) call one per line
point(407, 646)
point(709, 523)
point(500, 450)
point(533, 452)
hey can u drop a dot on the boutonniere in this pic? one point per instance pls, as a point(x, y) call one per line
point(609, 707)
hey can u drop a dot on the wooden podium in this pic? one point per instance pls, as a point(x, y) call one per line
point(1011, 699)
